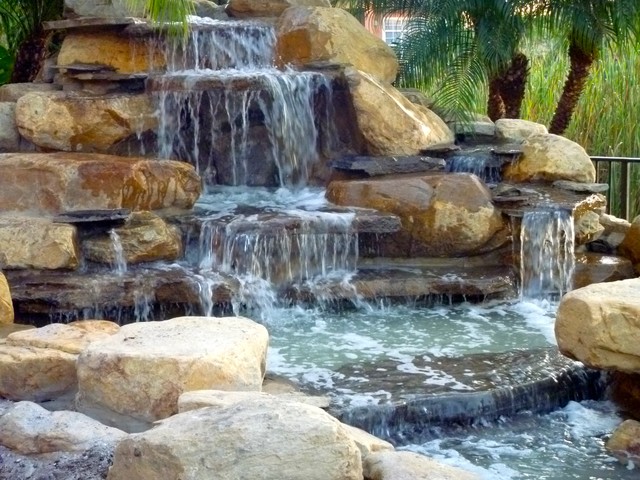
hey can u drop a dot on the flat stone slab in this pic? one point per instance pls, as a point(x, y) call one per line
point(376, 166)
point(484, 386)
point(90, 23)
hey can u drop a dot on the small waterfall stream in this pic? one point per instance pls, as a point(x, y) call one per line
point(119, 260)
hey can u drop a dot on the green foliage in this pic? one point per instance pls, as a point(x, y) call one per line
point(6, 65)
point(168, 14)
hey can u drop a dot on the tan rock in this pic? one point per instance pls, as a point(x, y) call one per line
point(27, 428)
point(516, 130)
point(71, 338)
point(550, 158)
point(447, 214)
point(264, 438)
point(11, 92)
point(37, 374)
point(219, 398)
point(9, 136)
point(624, 444)
point(366, 442)
point(317, 34)
point(100, 8)
point(615, 230)
point(263, 8)
point(599, 325)
point(75, 181)
point(123, 54)
point(630, 246)
point(140, 372)
point(27, 242)
point(587, 227)
point(6, 305)
point(389, 123)
point(144, 238)
point(76, 122)
point(591, 267)
point(388, 465)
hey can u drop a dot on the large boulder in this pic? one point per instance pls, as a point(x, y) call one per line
point(9, 136)
point(630, 245)
point(317, 34)
point(27, 428)
point(389, 123)
point(145, 237)
point(262, 8)
point(40, 364)
point(387, 465)
point(549, 158)
point(516, 130)
point(615, 231)
point(599, 325)
point(121, 54)
point(6, 305)
point(137, 375)
point(75, 181)
point(28, 242)
point(76, 122)
point(445, 214)
point(262, 438)
point(219, 398)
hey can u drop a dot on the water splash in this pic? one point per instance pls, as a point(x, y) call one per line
point(119, 260)
point(547, 258)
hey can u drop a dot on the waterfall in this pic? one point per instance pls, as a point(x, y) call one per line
point(227, 110)
point(480, 162)
point(119, 260)
point(546, 253)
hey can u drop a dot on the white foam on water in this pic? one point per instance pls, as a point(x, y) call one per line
point(586, 421)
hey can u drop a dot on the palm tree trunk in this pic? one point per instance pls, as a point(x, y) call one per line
point(581, 62)
point(30, 57)
point(495, 105)
point(512, 85)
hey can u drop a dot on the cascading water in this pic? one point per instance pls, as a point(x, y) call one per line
point(223, 105)
point(119, 260)
point(547, 258)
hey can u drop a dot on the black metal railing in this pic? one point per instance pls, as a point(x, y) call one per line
point(623, 176)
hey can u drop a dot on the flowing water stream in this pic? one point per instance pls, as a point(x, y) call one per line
point(374, 356)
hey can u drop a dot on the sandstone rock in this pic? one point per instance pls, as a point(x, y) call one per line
point(389, 123)
point(409, 466)
point(11, 92)
point(74, 181)
point(625, 392)
point(416, 96)
point(37, 374)
point(477, 128)
point(262, 8)
point(99, 8)
point(366, 442)
point(516, 130)
point(6, 305)
point(145, 237)
point(77, 122)
point(140, 372)
point(119, 53)
point(624, 444)
point(9, 136)
point(581, 187)
point(27, 242)
point(316, 34)
point(549, 158)
point(71, 338)
point(209, 9)
point(264, 438)
point(218, 398)
point(587, 227)
point(630, 246)
point(599, 325)
point(448, 214)
point(27, 428)
point(615, 230)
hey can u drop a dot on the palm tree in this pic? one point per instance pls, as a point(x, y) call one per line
point(27, 41)
point(452, 46)
point(589, 25)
